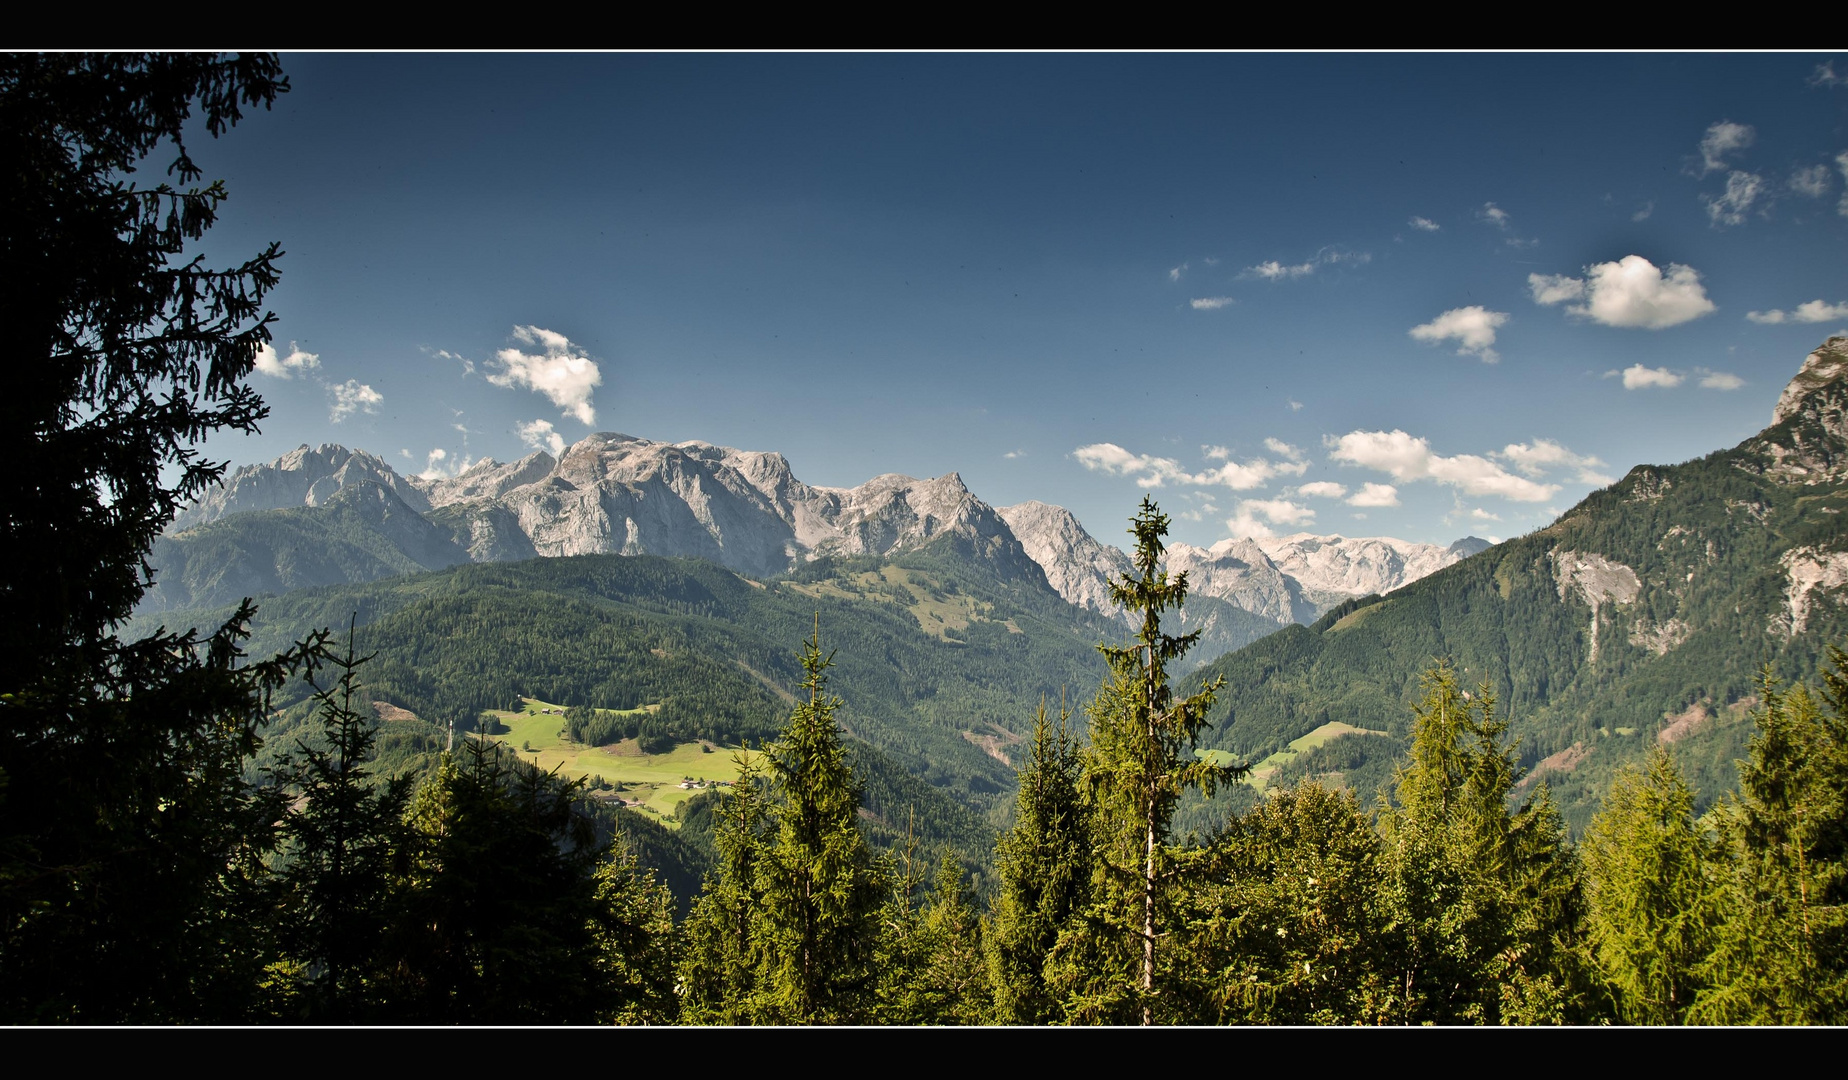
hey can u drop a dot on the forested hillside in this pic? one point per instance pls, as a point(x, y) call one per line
point(1641, 617)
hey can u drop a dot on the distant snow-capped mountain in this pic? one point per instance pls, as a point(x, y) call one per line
point(616, 494)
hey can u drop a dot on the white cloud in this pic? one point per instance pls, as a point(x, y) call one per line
point(1555, 288)
point(1812, 181)
point(1012, 454)
point(540, 435)
point(1722, 139)
point(1424, 224)
point(1729, 207)
point(1246, 522)
point(285, 367)
point(1638, 377)
point(1407, 458)
point(1295, 406)
point(350, 397)
point(1372, 494)
point(1630, 292)
point(1276, 271)
point(1473, 328)
point(1278, 446)
point(1643, 214)
point(1175, 273)
point(1152, 471)
point(1813, 311)
point(1721, 380)
point(1323, 489)
point(1483, 515)
point(1211, 303)
point(1825, 76)
point(468, 366)
point(1494, 215)
point(1841, 162)
point(560, 371)
point(1820, 311)
point(434, 469)
point(1542, 455)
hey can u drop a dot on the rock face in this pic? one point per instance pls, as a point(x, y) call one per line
point(301, 477)
point(1076, 566)
point(1807, 442)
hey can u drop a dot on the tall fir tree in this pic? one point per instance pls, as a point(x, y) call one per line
point(1288, 927)
point(1139, 762)
point(1649, 924)
point(345, 848)
point(718, 970)
point(1781, 951)
point(1044, 863)
point(820, 886)
point(1485, 903)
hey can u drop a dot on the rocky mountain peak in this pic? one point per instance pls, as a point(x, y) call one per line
point(1822, 369)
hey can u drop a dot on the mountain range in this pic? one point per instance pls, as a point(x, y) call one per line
point(329, 515)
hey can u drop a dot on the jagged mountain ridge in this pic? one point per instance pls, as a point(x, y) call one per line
point(616, 494)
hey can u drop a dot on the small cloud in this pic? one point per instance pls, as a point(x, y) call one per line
point(1543, 455)
point(468, 366)
point(1813, 311)
point(1407, 458)
point(1276, 271)
point(1012, 454)
point(1175, 273)
point(1473, 328)
point(1424, 224)
point(1841, 162)
point(1729, 207)
point(1278, 446)
point(1483, 515)
point(1323, 489)
point(1215, 453)
point(406, 455)
point(1638, 377)
point(434, 469)
point(1371, 494)
point(540, 435)
point(1246, 522)
point(1630, 292)
point(285, 367)
point(1812, 181)
point(1643, 214)
point(350, 397)
point(1493, 215)
point(1824, 76)
point(1295, 406)
point(560, 370)
point(1211, 303)
point(1152, 471)
point(1720, 140)
point(1721, 380)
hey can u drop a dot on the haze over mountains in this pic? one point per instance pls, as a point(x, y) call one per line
point(328, 515)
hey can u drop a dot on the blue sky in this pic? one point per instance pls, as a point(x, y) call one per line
point(1370, 294)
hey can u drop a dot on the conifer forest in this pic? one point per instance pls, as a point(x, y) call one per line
point(1539, 786)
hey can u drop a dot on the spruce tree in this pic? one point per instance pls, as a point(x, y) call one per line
point(1646, 863)
point(718, 971)
point(820, 886)
point(345, 846)
point(1484, 903)
point(1781, 950)
point(1288, 927)
point(1044, 863)
point(1141, 759)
